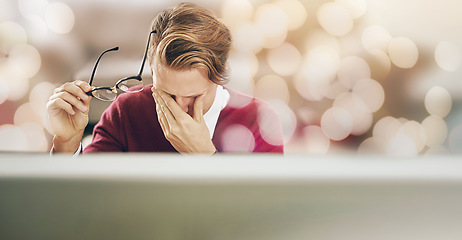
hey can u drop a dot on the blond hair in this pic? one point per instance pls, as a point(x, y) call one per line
point(189, 36)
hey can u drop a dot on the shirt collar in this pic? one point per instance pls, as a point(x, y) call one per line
point(220, 102)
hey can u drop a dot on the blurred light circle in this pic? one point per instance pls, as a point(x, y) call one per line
point(337, 123)
point(59, 17)
point(379, 63)
point(4, 89)
point(403, 52)
point(436, 150)
point(358, 110)
point(11, 34)
point(32, 7)
point(41, 92)
point(376, 38)
point(357, 8)
point(267, 124)
point(371, 93)
point(401, 145)
point(353, 69)
point(273, 22)
point(234, 12)
point(319, 38)
point(296, 12)
point(238, 138)
point(333, 90)
point(316, 142)
point(308, 89)
point(18, 85)
point(38, 98)
point(448, 56)
point(386, 128)
point(36, 139)
point(318, 69)
point(24, 60)
point(438, 101)
point(436, 130)
point(19, 88)
point(12, 138)
point(5, 10)
point(242, 69)
point(455, 140)
point(37, 28)
point(335, 19)
point(372, 146)
point(247, 38)
point(284, 59)
point(272, 87)
point(416, 132)
point(26, 113)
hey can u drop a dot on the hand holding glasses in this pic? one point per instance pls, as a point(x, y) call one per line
point(129, 84)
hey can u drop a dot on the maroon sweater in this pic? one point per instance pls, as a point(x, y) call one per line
point(130, 124)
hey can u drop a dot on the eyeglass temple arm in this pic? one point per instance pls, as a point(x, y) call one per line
point(97, 61)
point(146, 52)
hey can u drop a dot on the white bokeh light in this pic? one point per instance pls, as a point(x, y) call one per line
point(358, 110)
point(357, 8)
point(11, 34)
point(438, 102)
point(318, 69)
point(436, 130)
point(337, 123)
point(235, 12)
point(352, 69)
point(24, 60)
point(272, 87)
point(335, 19)
point(59, 17)
point(12, 138)
point(448, 56)
point(295, 11)
point(242, 69)
point(238, 138)
point(371, 92)
point(403, 52)
point(375, 37)
point(273, 22)
point(284, 59)
point(267, 124)
point(316, 141)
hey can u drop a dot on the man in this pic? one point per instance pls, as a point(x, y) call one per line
point(186, 110)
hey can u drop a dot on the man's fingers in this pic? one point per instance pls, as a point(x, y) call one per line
point(76, 88)
point(71, 99)
point(161, 106)
point(199, 107)
point(60, 104)
point(171, 104)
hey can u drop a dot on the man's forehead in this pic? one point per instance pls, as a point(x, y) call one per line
point(181, 83)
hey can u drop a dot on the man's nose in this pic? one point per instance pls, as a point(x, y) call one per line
point(184, 103)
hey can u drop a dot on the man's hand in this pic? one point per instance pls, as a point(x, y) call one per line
point(68, 114)
point(186, 134)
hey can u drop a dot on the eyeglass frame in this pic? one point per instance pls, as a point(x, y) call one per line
point(116, 86)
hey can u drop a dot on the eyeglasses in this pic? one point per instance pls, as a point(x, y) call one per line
point(129, 84)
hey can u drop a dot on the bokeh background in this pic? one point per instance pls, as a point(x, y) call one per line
point(345, 76)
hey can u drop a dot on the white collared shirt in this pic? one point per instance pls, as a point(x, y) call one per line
point(220, 102)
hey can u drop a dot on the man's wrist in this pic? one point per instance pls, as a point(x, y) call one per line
point(69, 146)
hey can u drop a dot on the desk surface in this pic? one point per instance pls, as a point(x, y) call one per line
point(234, 167)
point(290, 197)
